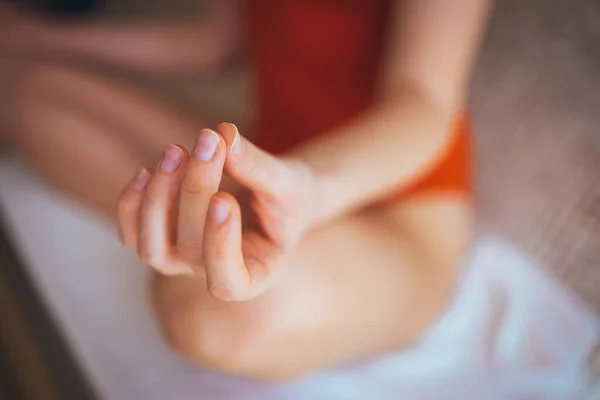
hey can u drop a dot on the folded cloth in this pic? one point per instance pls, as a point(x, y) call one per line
point(511, 333)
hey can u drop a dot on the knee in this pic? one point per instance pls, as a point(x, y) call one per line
point(207, 332)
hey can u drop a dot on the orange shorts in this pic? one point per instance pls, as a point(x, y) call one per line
point(452, 174)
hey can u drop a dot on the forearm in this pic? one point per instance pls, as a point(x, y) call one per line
point(431, 51)
point(358, 287)
point(387, 147)
point(176, 47)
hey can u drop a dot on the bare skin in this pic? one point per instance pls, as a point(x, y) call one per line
point(103, 127)
point(326, 280)
point(198, 44)
point(286, 331)
point(61, 111)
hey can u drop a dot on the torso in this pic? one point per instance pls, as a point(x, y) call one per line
point(316, 64)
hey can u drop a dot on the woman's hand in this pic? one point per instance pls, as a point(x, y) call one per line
point(180, 223)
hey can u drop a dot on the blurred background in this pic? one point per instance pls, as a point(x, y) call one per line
point(535, 101)
point(535, 98)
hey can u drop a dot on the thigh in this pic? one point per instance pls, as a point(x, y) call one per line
point(138, 118)
point(88, 134)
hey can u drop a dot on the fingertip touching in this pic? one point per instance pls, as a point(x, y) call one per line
point(251, 166)
point(232, 137)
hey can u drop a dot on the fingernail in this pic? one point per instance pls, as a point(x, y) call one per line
point(140, 181)
point(206, 146)
point(171, 160)
point(219, 211)
point(236, 146)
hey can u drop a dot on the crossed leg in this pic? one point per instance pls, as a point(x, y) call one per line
point(88, 134)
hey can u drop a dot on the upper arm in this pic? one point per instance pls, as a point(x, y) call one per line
point(433, 45)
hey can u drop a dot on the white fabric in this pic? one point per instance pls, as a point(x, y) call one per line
point(510, 334)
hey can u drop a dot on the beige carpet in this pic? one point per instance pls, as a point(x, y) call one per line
point(536, 102)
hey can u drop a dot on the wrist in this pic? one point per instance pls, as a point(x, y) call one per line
point(328, 199)
point(317, 197)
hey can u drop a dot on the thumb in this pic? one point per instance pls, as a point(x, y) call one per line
point(252, 167)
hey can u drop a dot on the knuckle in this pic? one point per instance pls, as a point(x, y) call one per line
point(193, 187)
point(162, 263)
point(154, 200)
point(225, 292)
point(153, 259)
point(190, 251)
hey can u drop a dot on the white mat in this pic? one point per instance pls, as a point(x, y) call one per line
point(511, 334)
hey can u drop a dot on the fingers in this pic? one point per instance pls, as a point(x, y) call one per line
point(233, 274)
point(227, 276)
point(157, 227)
point(252, 167)
point(176, 219)
point(128, 209)
point(200, 182)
